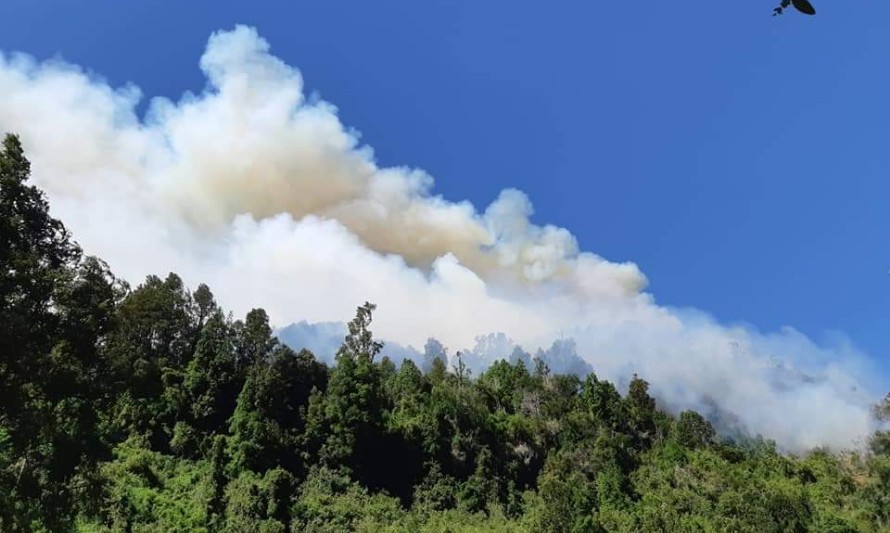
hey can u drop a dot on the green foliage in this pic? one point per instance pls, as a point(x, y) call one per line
point(147, 491)
point(691, 430)
point(259, 503)
point(151, 410)
point(211, 380)
point(567, 498)
point(330, 502)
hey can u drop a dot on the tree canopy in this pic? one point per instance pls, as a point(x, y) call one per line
point(149, 409)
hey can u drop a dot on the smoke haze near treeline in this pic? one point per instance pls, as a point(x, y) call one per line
point(262, 193)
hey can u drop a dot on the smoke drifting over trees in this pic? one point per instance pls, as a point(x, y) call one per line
point(149, 408)
point(266, 196)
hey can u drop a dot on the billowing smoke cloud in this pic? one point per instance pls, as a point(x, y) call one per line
point(267, 197)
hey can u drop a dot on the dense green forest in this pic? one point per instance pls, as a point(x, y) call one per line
point(150, 409)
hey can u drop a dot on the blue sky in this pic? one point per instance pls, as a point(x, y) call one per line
point(739, 159)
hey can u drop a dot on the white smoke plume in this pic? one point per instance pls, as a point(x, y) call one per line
point(267, 197)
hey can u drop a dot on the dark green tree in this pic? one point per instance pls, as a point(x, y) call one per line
point(355, 402)
point(693, 431)
point(641, 413)
point(212, 380)
point(55, 311)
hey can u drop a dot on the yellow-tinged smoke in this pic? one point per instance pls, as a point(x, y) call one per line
point(271, 200)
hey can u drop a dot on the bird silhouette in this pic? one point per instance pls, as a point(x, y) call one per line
point(804, 6)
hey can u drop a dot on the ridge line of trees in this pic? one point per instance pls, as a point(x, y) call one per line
point(150, 409)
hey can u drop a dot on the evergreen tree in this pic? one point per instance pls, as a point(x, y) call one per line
point(212, 380)
point(54, 312)
point(355, 402)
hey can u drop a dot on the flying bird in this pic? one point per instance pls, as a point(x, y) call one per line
point(804, 6)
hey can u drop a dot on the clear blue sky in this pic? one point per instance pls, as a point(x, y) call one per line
point(741, 160)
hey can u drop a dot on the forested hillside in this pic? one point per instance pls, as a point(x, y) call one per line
point(149, 409)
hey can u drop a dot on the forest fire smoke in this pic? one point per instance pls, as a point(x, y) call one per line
point(263, 194)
